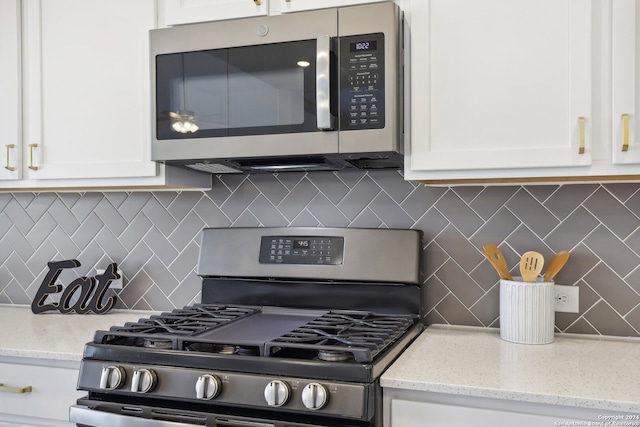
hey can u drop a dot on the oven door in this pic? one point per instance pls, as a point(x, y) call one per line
point(245, 88)
point(103, 414)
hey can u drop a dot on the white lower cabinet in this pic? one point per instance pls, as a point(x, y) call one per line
point(17, 424)
point(408, 408)
point(52, 391)
point(405, 413)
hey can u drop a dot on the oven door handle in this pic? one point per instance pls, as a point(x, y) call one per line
point(323, 83)
point(240, 423)
point(93, 418)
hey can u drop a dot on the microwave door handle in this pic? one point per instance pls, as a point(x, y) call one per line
point(323, 83)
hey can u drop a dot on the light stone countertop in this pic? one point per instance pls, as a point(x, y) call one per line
point(53, 335)
point(575, 370)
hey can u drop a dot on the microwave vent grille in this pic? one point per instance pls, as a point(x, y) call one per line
point(213, 168)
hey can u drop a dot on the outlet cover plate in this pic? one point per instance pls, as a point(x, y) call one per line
point(115, 284)
point(567, 299)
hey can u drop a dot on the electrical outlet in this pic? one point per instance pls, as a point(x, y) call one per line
point(567, 298)
point(115, 284)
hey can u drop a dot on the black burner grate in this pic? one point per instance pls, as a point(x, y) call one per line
point(359, 335)
point(167, 327)
point(338, 335)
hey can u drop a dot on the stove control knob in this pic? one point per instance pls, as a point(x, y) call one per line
point(314, 396)
point(112, 377)
point(207, 387)
point(276, 393)
point(143, 381)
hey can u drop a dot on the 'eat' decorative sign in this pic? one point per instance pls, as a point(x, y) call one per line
point(91, 289)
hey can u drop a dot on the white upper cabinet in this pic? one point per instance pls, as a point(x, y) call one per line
point(85, 77)
point(86, 88)
point(10, 105)
point(499, 88)
point(625, 48)
point(298, 5)
point(186, 11)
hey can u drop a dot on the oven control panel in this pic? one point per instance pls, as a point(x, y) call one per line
point(315, 250)
point(212, 387)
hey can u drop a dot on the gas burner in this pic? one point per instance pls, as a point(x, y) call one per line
point(224, 349)
point(158, 344)
point(333, 356)
point(248, 351)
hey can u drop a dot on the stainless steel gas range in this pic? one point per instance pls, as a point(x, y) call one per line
point(295, 328)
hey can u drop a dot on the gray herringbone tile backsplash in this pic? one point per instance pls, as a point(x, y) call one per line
point(153, 236)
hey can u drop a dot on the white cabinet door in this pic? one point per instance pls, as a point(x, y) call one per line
point(30, 422)
point(410, 408)
point(74, 110)
point(499, 88)
point(406, 413)
point(52, 391)
point(186, 11)
point(625, 48)
point(298, 5)
point(10, 105)
point(19, 422)
point(86, 88)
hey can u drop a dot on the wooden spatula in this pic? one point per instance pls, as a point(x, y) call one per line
point(496, 258)
point(557, 262)
point(531, 265)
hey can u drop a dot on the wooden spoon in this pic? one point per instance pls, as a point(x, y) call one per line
point(557, 262)
point(531, 265)
point(496, 258)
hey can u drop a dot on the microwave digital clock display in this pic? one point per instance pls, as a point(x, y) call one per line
point(364, 46)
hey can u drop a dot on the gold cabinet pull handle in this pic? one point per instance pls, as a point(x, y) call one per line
point(31, 165)
point(7, 389)
point(625, 132)
point(7, 164)
point(257, 2)
point(582, 138)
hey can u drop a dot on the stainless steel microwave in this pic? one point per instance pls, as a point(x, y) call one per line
point(316, 90)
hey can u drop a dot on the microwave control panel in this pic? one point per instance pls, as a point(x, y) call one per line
point(362, 82)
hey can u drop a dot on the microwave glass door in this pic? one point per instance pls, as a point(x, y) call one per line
point(253, 90)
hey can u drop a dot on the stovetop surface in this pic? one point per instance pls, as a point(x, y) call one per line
point(349, 336)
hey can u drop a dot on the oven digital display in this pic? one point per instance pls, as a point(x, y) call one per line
point(317, 250)
point(301, 244)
